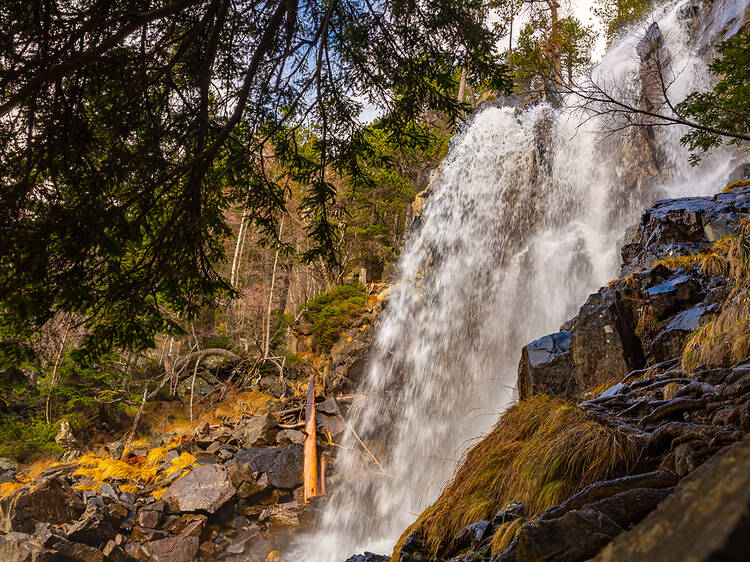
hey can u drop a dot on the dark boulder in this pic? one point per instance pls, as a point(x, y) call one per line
point(578, 535)
point(707, 518)
point(368, 557)
point(473, 534)
point(258, 430)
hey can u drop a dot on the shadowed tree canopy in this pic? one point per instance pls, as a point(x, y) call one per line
point(128, 127)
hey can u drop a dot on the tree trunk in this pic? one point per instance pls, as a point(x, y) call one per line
point(310, 468)
point(267, 333)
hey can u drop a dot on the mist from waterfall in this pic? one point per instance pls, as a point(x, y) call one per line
point(525, 220)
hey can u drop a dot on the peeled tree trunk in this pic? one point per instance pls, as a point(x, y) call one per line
point(310, 466)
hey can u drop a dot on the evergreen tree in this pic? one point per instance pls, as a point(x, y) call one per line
point(127, 128)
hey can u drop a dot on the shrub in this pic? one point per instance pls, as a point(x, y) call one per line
point(26, 440)
point(541, 451)
point(330, 312)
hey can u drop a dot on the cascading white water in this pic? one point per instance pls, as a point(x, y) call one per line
point(525, 220)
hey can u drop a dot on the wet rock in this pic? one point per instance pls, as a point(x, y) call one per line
point(604, 345)
point(368, 557)
point(258, 430)
point(52, 500)
point(329, 406)
point(741, 172)
point(514, 510)
point(546, 367)
point(473, 534)
point(413, 548)
point(673, 295)
point(282, 465)
point(335, 425)
point(77, 552)
point(204, 488)
point(20, 547)
point(578, 535)
point(705, 519)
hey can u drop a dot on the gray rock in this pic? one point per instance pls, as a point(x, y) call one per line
point(282, 515)
point(368, 557)
point(741, 172)
point(204, 488)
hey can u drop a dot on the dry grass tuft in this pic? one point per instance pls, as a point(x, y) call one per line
point(735, 185)
point(7, 488)
point(726, 338)
point(504, 534)
point(646, 320)
point(541, 451)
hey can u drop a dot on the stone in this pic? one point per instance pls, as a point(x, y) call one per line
point(473, 534)
point(546, 367)
point(150, 516)
point(52, 500)
point(604, 346)
point(513, 510)
point(258, 430)
point(20, 547)
point(672, 295)
point(721, 226)
point(77, 552)
point(7, 476)
point(173, 549)
point(282, 515)
point(8, 464)
point(115, 449)
point(94, 527)
point(368, 557)
point(335, 425)
point(706, 519)
point(329, 406)
point(576, 536)
point(250, 544)
point(288, 436)
point(741, 172)
point(204, 488)
point(282, 465)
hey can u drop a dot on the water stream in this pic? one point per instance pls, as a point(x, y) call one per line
point(525, 220)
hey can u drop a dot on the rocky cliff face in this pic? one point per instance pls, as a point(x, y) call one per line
point(635, 360)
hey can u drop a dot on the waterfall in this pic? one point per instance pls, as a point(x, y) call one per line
point(526, 218)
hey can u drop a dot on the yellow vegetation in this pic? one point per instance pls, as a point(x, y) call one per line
point(647, 319)
point(726, 338)
point(8, 488)
point(741, 183)
point(541, 451)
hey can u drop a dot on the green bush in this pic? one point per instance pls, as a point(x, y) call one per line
point(25, 440)
point(330, 312)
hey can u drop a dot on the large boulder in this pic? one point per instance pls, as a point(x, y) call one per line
point(52, 500)
point(706, 519)
point(204, 488)
point(282, 466)
point(604, 345)
point(258, 430)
